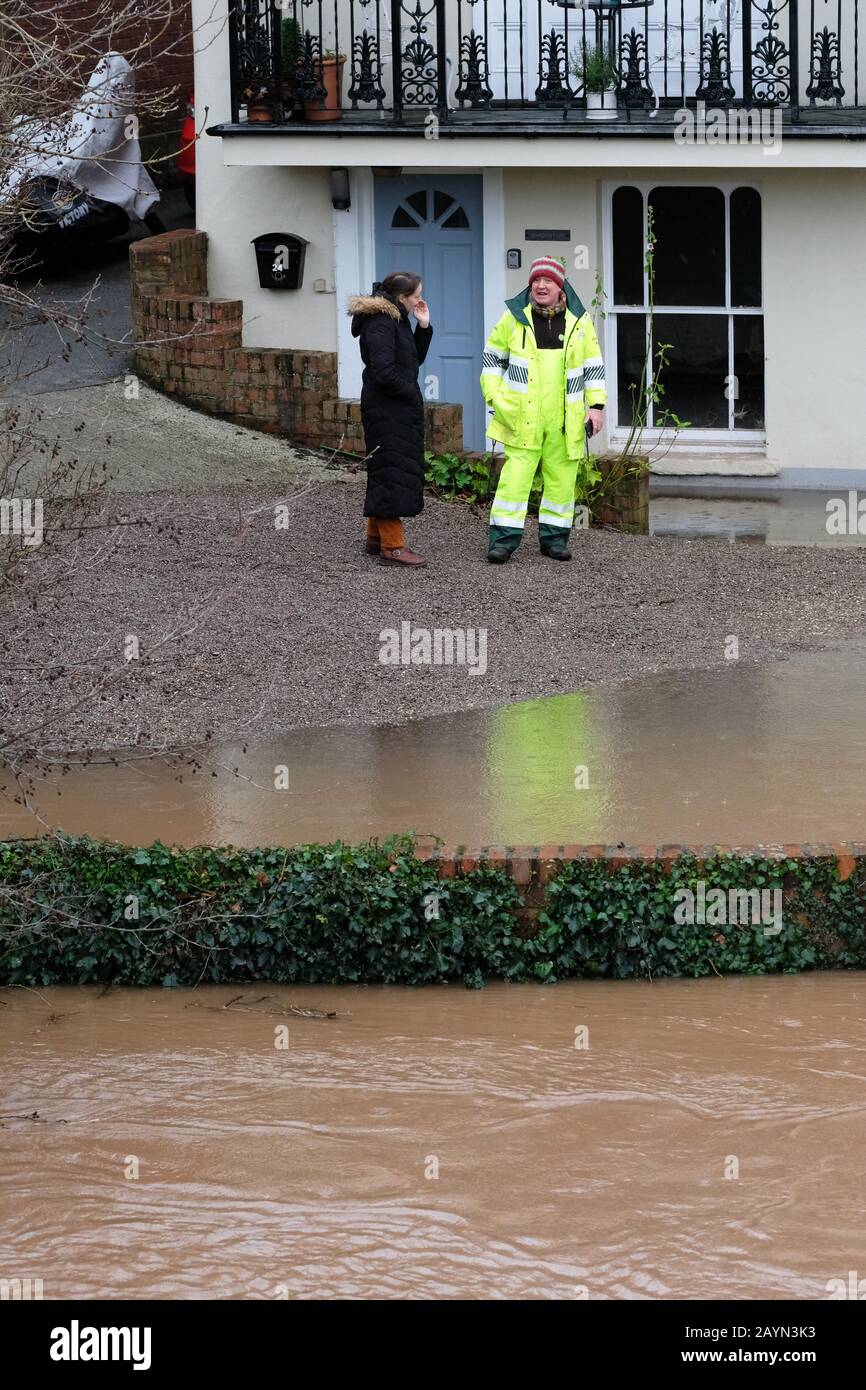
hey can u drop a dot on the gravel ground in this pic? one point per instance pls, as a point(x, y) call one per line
point(149, 442)
point(276, 629)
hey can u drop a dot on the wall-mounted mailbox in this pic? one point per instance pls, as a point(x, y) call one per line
point(280, 258)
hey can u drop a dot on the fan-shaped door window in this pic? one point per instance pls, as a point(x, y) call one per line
point(415, 211)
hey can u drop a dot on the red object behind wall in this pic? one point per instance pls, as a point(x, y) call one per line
point(186, 153)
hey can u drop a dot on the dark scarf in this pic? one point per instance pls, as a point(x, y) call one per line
point(549, 311)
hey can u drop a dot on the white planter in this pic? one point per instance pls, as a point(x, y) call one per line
point(601, 106)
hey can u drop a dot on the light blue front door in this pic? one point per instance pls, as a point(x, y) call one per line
point(432, 224)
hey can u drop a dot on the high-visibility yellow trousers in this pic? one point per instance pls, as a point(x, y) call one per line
point(558, 471)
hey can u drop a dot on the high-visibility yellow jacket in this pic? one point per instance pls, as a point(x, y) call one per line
point(510, 376)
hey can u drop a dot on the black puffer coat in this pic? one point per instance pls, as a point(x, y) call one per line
point(392, 407)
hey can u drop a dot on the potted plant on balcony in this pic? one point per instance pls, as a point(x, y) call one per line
point(259, 105)
point(597, 71)
point(331, 108)
point(292, 50)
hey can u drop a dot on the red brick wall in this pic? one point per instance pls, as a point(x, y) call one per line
point(189, 346)
point(159, 47)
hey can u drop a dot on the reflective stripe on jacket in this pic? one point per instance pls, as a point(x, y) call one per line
point(510, 377)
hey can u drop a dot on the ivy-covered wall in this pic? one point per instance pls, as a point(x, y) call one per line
point(78, 911)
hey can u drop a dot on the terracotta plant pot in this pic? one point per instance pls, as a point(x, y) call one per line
point(331, 109)
point(260, 112)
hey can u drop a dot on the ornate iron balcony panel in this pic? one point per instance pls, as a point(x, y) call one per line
point(474, 86)
point(554, 88)
point(255, 55)
point(414, 40)
point(365, 78)
point(826, 69)
point(770, 59)
point(715, 87)
point(366, 82)
point(308, 74)
point(634, 87)
point(472, 62)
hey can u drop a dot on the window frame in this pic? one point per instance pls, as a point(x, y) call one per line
point(618, 432)
point(431, 218)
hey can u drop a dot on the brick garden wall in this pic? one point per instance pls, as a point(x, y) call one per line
point(190, 346)
point(533, 867)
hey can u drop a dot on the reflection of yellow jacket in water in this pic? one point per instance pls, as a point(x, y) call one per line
point(533, 779)
point(511, 378)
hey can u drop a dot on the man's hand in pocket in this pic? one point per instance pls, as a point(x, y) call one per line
point(505, 410)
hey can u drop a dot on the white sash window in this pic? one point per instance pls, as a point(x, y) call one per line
point(708, 306)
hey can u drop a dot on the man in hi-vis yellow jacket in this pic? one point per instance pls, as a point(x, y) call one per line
point(544, 377)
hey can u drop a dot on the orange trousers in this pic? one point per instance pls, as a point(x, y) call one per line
point(387, 530)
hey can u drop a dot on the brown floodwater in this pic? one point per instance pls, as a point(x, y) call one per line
point(749, 754)
point(437, 1143)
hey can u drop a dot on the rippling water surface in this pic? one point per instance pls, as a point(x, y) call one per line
point(310, 1171)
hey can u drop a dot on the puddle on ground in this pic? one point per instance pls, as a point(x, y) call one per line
point(437, 1143)
point(749, 754)
point(790, 516)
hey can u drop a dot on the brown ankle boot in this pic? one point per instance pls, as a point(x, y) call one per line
point(404, 556)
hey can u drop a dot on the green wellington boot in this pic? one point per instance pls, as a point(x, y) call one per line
point(502, 541)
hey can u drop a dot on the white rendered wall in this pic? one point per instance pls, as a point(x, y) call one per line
point(233, 205)
point(814, 224)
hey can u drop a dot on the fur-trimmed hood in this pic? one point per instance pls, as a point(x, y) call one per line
point(363, 306)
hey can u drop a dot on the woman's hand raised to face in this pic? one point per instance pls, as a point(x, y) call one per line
point(422, 313)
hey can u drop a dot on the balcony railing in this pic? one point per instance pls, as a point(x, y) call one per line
point(478, 61)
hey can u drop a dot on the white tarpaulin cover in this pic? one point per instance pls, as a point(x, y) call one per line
point(97, 150)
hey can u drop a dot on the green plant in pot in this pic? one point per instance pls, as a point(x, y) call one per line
point(292, 39)
point(595, 68)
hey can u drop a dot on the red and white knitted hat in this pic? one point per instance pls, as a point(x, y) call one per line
point(547, 266)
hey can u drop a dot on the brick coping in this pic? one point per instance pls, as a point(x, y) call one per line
point(537, 864)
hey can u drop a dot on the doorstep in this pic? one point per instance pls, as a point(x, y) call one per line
point(691, 464)
point(705, 484)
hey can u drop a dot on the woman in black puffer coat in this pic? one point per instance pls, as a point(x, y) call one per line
point(392, 410)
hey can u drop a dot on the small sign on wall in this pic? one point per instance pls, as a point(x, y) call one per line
point(545, 234)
